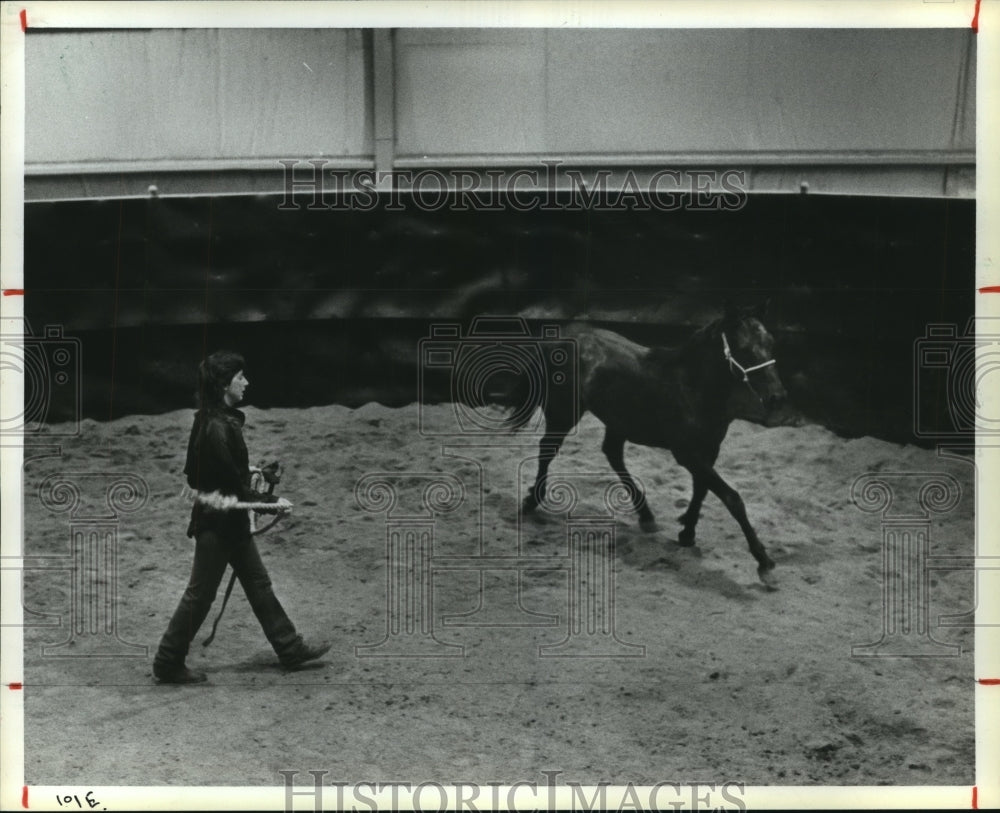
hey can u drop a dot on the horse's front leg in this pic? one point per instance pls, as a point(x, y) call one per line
point(699, 488)
point(734, 503)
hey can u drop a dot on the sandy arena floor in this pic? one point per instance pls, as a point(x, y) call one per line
point(735, 683)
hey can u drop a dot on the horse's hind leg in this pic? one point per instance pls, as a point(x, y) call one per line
point(614, 449)
point(690, 517)
point(548, 448)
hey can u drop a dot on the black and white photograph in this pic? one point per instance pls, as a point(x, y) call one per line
point(477, 406)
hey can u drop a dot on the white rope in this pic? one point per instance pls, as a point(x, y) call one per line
point(228, 502)
point(734, 363)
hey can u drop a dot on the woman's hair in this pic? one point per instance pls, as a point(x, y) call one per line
point(214, 375)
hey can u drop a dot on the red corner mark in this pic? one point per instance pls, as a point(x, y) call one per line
point(24, 796)
point(975, 798)
point(24, 27)
point(13, 291)
point(975, 19)
point(989, 681)
point(990, 289)
point(15, 686)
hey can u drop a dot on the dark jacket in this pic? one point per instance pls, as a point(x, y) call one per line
point(217, 460)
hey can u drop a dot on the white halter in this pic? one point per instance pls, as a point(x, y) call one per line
point(734, 363)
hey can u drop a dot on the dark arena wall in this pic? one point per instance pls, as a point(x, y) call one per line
point(329, 306)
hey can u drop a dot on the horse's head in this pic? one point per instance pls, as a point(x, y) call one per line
point(748, 348)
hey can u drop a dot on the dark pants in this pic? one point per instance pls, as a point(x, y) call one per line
point(214, 549)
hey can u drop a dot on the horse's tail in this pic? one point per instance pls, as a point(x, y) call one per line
point(519, 402)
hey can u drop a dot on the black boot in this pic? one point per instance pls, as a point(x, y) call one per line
point(305, 653)
point(177, 674)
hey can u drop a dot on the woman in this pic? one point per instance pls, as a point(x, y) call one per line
point(218, 467)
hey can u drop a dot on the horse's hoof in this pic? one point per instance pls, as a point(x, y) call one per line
point(766, 575)
point(648, 526)
point(529, 505)
point(686, 537)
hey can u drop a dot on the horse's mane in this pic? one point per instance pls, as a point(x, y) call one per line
point(688, 348)
point(705, 333)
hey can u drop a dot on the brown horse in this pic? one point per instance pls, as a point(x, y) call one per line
point(668, 398)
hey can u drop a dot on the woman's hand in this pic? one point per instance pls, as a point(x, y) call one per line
point(271, 473)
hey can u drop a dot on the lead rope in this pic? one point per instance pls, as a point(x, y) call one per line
point(256, 480)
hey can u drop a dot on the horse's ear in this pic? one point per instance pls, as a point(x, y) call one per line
point(730, 312)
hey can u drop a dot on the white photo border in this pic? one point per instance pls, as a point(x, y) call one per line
point(528, 14)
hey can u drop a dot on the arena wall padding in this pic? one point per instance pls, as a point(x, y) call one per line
point(329, 306)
